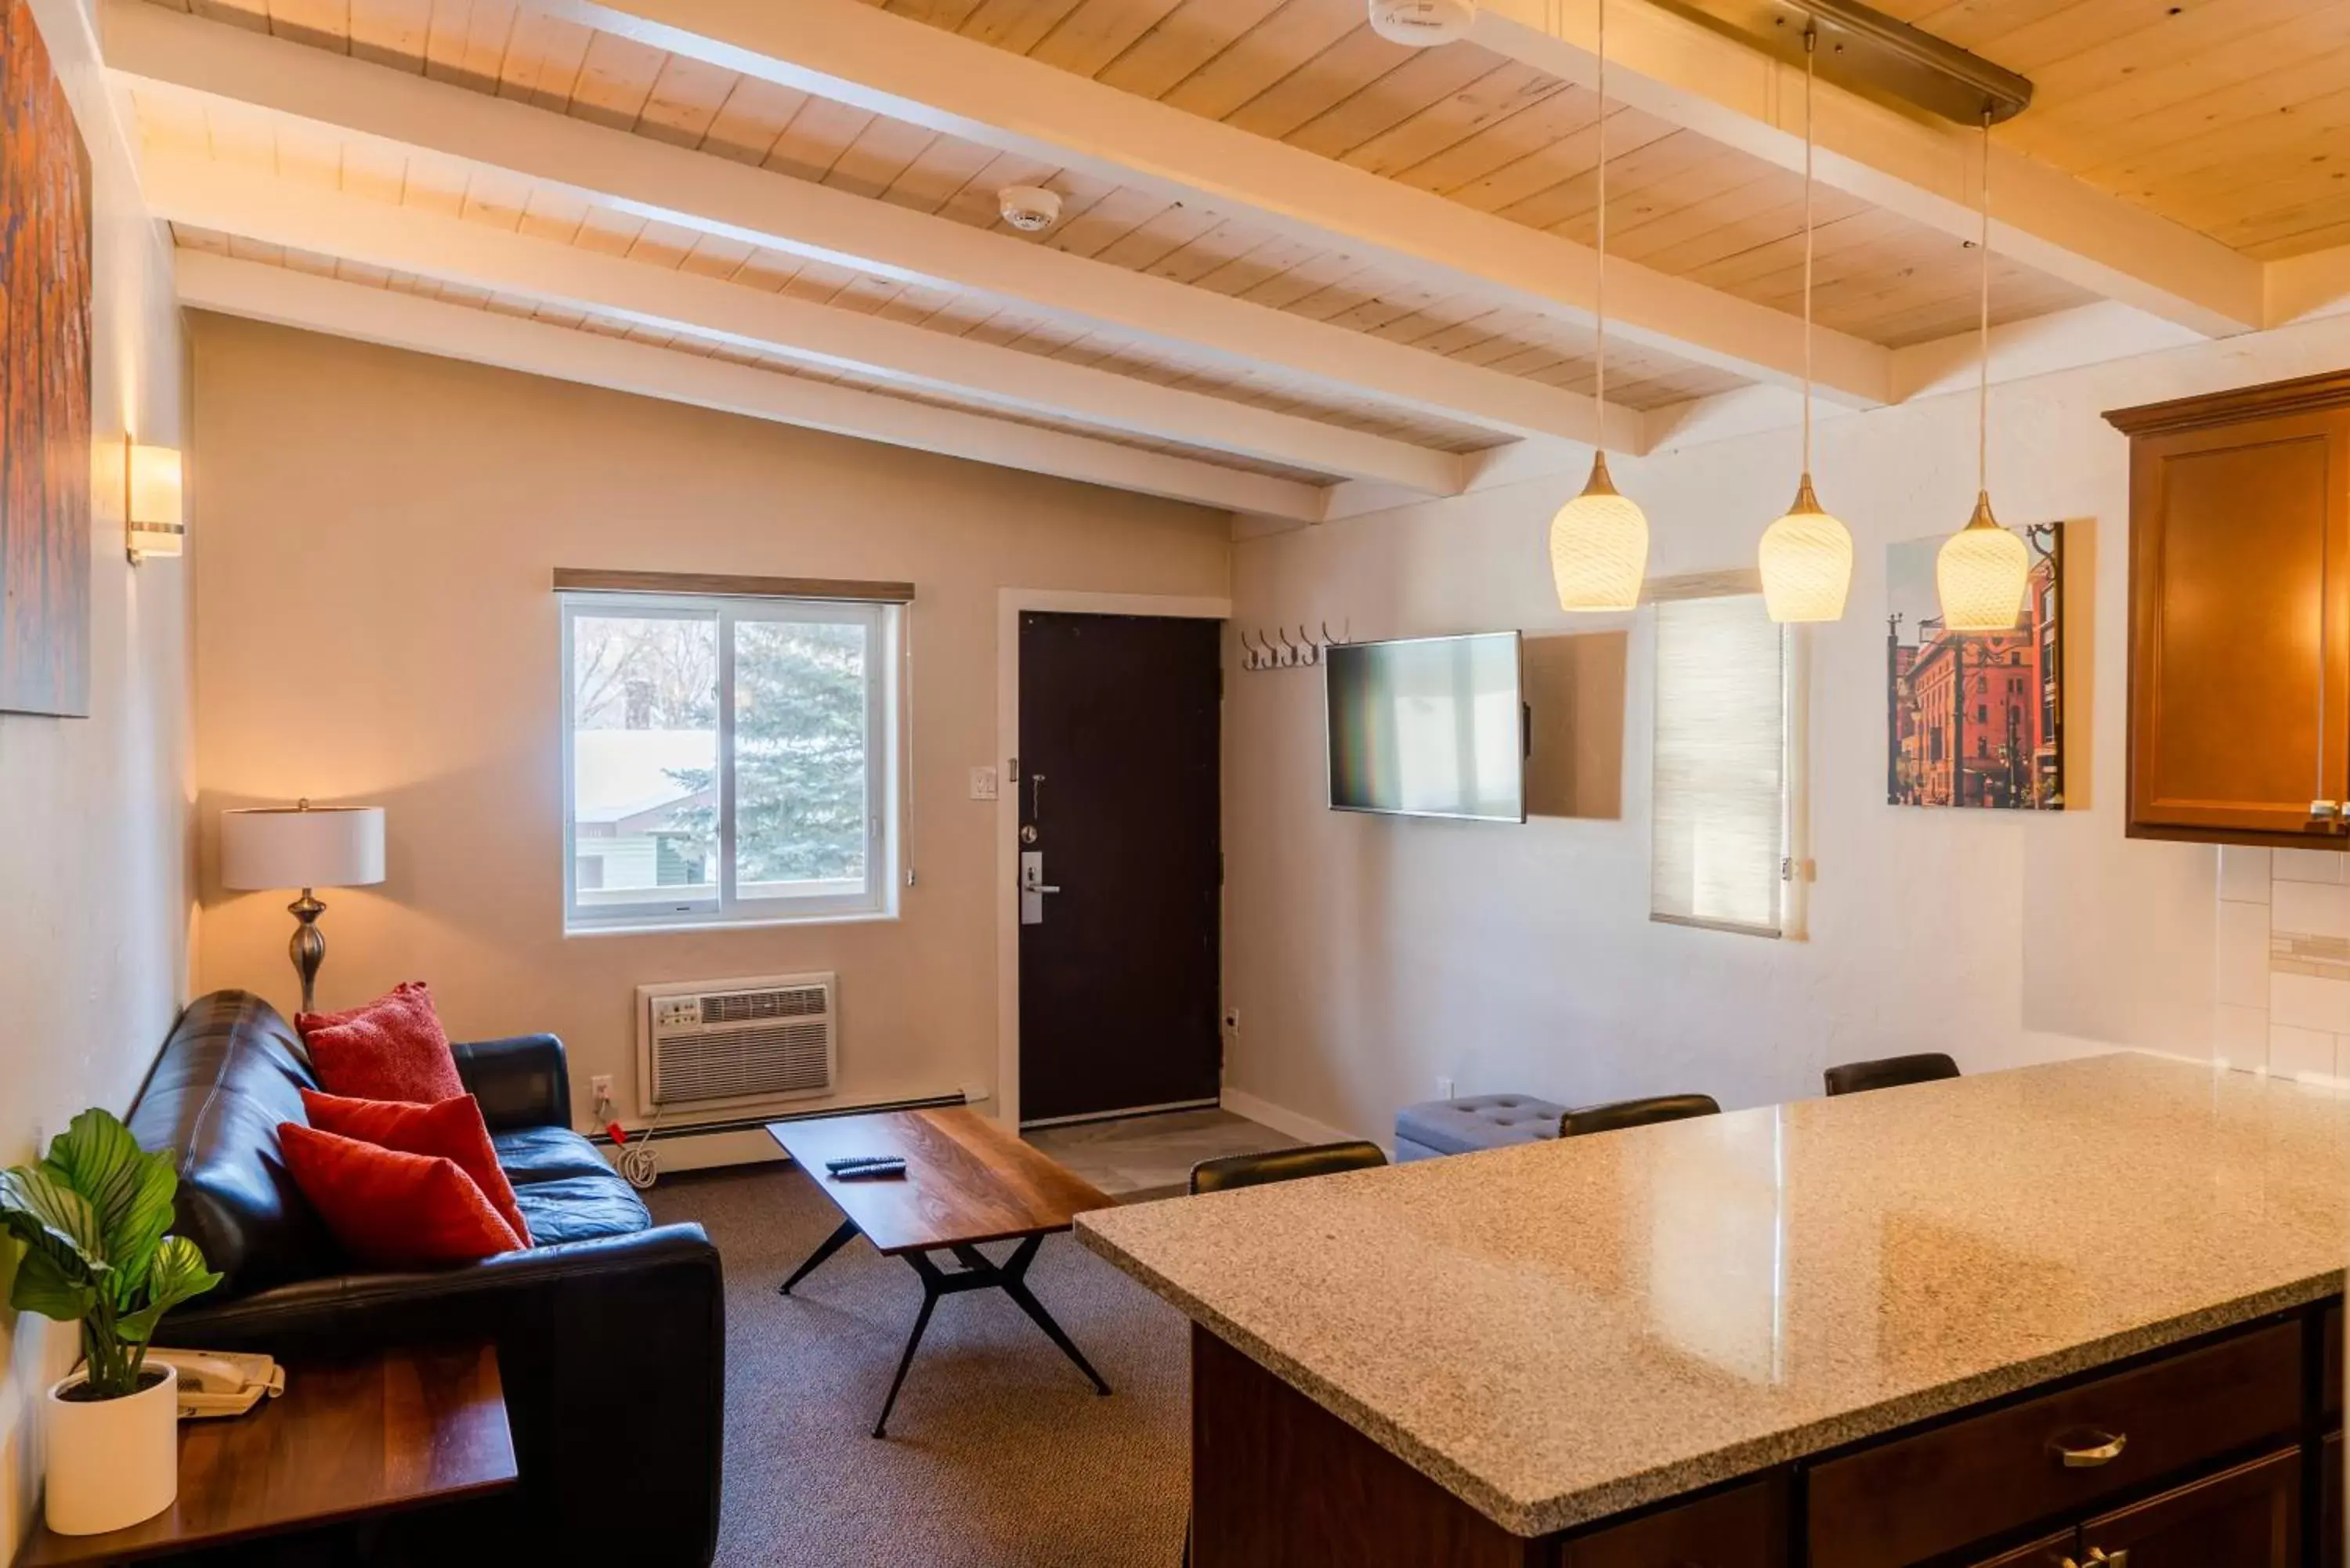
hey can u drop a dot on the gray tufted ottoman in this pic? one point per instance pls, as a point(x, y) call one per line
point(1476, 1121)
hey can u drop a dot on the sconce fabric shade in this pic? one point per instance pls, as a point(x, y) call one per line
point(1980, 574)
point(302, 847)
point(1806, 561)
point(1598, 547)
point(152, 501)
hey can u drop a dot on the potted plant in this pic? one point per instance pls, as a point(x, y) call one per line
point(92, 1216)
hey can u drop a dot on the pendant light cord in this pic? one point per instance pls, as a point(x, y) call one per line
point(1600, 339)
point(1810, 43)
point(1982, 371)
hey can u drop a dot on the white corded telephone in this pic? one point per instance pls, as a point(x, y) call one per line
point(221, 1382)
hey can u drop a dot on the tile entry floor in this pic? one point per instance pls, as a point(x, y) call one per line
point(1139, 1157)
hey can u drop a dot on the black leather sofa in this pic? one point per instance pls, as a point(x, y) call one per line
point(610, 1330)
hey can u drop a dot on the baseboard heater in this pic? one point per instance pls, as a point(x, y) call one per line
point(667, 1130)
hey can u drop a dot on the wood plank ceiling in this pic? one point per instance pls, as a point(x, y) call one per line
point(2230, 117)
point(2166, 103)
point(1500, 137)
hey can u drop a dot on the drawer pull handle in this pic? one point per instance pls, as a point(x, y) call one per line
point(2097, 1558)
point(2088, 1457)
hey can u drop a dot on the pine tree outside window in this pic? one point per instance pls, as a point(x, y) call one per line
point(727, 759)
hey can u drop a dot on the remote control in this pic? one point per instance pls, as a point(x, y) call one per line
point(854, 1161)
point(879, 1170)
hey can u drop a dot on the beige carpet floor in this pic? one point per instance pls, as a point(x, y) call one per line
point(999, 1455)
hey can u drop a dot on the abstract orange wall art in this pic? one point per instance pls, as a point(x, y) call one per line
point(45, 409)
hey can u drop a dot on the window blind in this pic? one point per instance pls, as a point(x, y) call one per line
point(1720, 801)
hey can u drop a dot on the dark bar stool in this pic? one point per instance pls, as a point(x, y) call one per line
point(1891, 1072)
point(1636, 1114)
point(1285, 1165)
point(1235, 1170)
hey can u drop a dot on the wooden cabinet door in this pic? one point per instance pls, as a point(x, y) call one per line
point(2058, 1551)
point(2248, 1517)
point(2239, 626)
point(2330, 1520)
point(1745, 1527)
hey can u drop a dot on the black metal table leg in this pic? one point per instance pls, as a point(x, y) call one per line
point(931, 1294)
point(832, 1243)
point(1014, 1281)
point(978, 1273)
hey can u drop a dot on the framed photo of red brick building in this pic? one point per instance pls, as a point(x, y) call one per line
point(1975, 719)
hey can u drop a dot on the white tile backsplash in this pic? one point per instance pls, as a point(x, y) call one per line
point(2295, 1053)
point(2307, 864)
point(2242, 976)
point(2311, 908)
point(2306, 1002)
point(2243, 874)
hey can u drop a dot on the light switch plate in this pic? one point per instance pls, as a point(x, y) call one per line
point(982, 783)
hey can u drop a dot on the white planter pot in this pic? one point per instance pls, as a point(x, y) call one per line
point(112, 1463)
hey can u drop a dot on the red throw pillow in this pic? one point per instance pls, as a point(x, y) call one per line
point(453, 1129)
point(392, 1049)
point(396, 1209)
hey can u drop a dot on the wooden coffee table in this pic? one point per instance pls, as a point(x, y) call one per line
point(391, 1430)
point(968, 1182)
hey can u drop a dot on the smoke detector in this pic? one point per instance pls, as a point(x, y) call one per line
point(1422, 24)
point(1031, 209)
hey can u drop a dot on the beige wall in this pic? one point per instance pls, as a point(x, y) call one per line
point(1369, 957)
point(94, 910)
point(374, 624)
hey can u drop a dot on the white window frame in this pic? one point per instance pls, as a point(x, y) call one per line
point(1794, 864)
point(878, 898)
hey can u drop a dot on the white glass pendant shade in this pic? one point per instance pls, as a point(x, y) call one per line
point(1806, 561)
point(1598, 547)
point(1980, 574)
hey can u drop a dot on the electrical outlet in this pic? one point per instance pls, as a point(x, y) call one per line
point(600, 1085)
point(1444, 1089)
point(982, 783)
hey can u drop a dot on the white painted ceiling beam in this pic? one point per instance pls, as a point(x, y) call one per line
point(718, 196)
point(1923, 168)
point(2092, 334)
point(857, 53)
point(260, 292)
point(184, 188)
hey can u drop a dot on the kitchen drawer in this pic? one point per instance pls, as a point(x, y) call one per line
point(1745, 1527)
point(1981, 1476)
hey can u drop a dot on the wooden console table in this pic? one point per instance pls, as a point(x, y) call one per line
point(350, 1440)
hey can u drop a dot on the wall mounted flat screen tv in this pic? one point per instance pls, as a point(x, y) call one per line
point(1428, 726)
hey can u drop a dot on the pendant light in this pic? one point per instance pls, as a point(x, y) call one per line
point(1599, 540)
point(1806, 555)
point(1980, 574)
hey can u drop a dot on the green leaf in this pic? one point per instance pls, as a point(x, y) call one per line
point(129, 1189)
point(52, 1219)
point(43, 1287)
point(177, 1273)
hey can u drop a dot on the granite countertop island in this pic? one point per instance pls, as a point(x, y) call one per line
point(1557, 1333)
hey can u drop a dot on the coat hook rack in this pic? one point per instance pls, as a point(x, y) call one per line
point(1277, 649)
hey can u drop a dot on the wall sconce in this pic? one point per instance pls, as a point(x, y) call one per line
point(152, 502)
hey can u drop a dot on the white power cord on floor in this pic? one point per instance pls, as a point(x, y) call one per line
point(638, 1159)
point(634, 1158)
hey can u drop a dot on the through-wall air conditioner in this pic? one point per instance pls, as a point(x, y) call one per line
point(708, 1044)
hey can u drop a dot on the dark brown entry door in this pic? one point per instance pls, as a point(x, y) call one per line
point(1120, 817)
